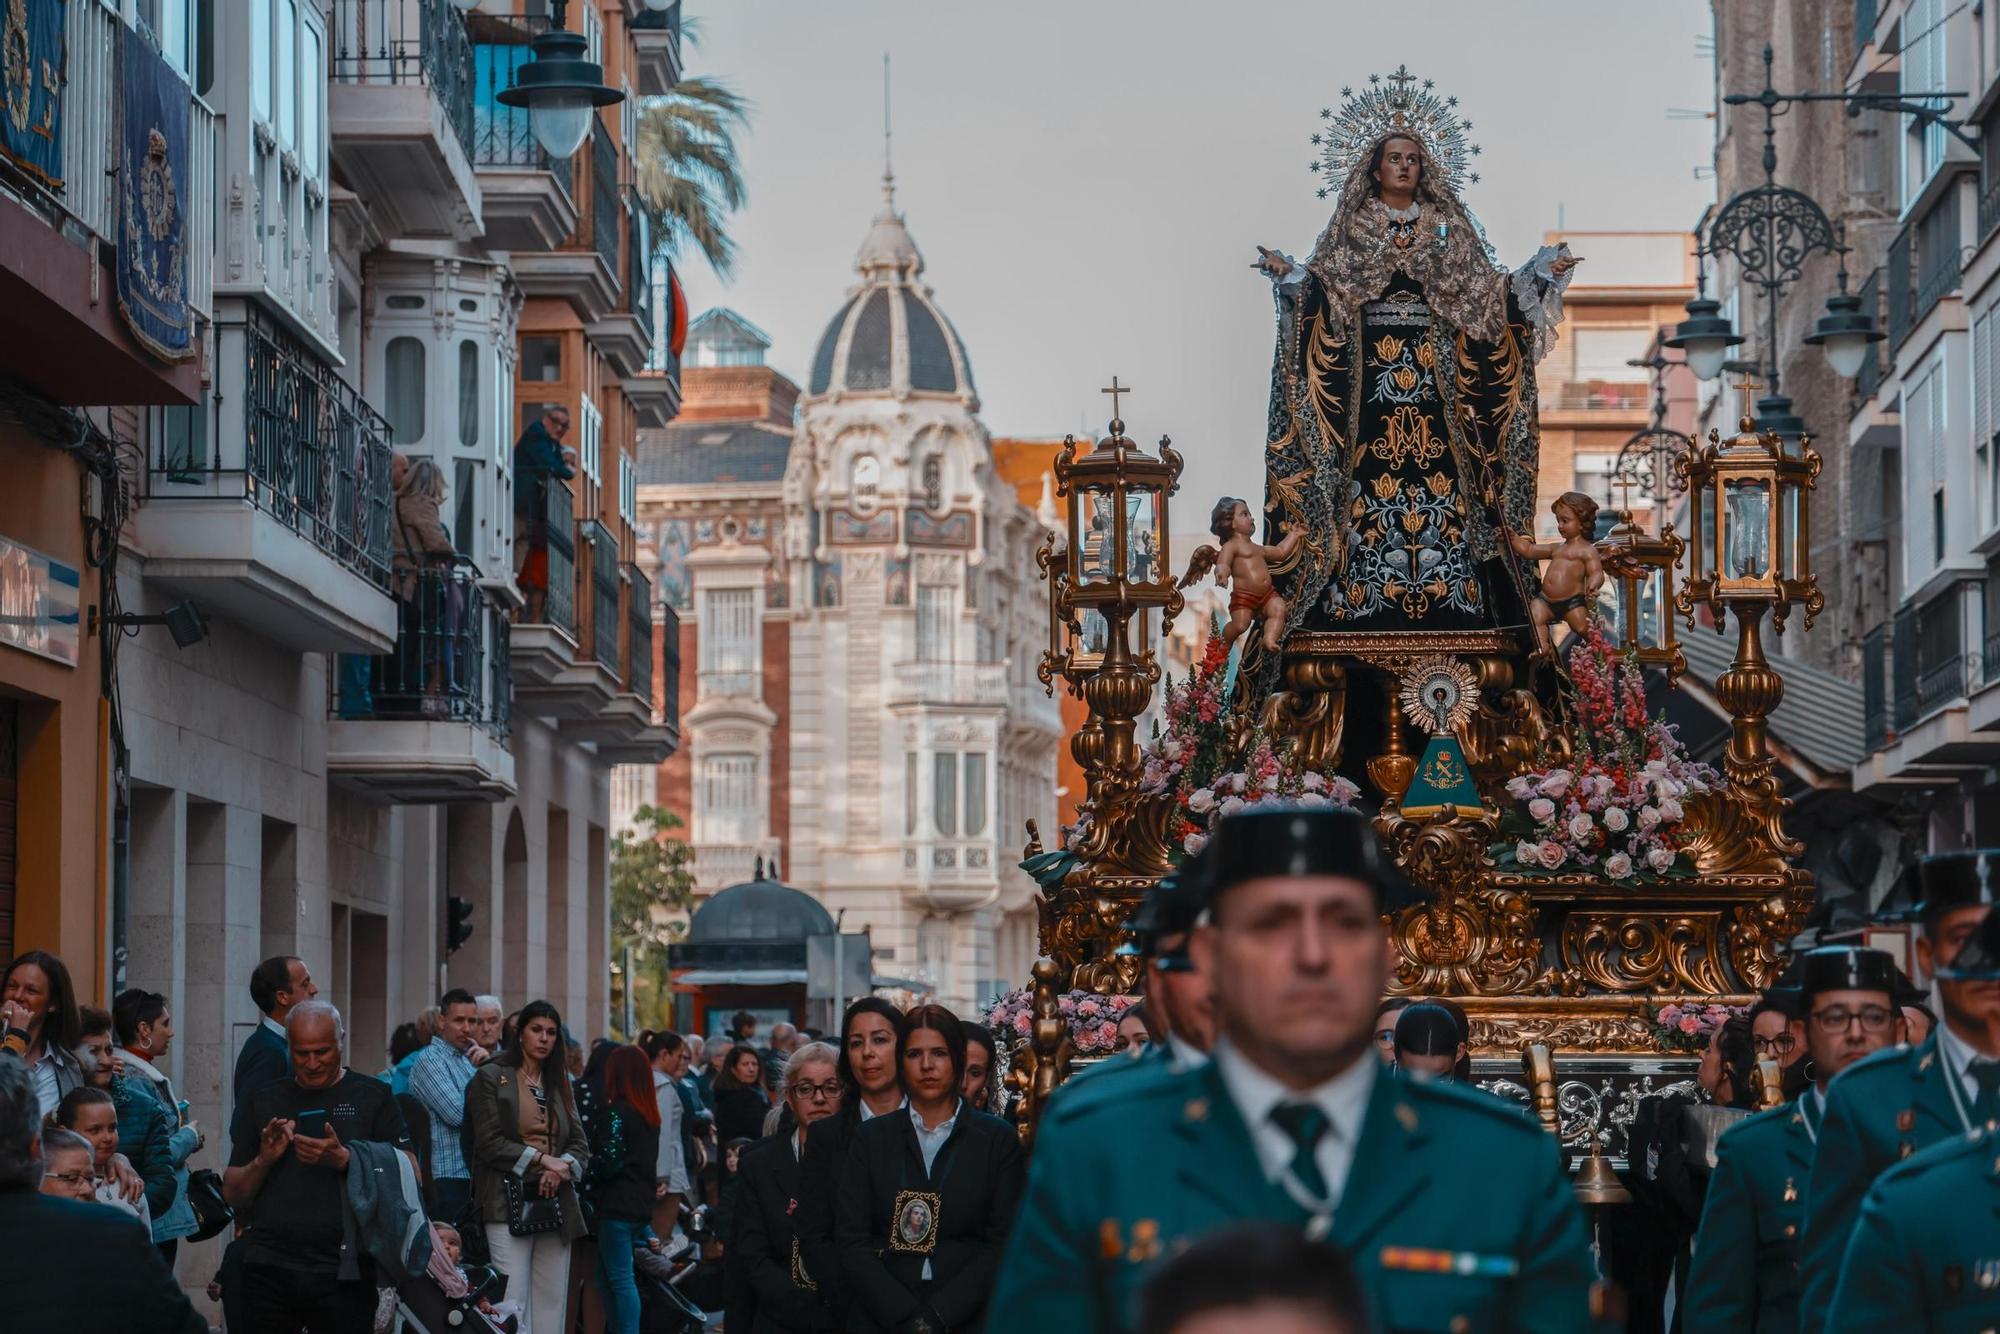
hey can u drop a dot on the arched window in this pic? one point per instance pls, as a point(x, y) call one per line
point(468, 393)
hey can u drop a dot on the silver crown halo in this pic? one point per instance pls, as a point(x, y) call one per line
point(1398, 103)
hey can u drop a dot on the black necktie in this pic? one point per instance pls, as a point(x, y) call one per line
point(1305, 1124)
point(1986, 1106)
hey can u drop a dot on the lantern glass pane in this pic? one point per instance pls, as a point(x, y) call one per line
point(1788, 533)
point(1096, 633)
point(1746, 528)
point(1704, 535)
point(1611, 603)
point(1653, 609)
point(1142, 535)
point(1096, 550)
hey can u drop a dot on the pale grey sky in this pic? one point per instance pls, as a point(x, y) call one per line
point(1088, 179)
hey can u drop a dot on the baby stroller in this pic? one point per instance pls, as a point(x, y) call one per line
point(664, 1308)
point(422, 1307)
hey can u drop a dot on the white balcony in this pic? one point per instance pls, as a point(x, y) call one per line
point(953, 874)
point(656, 34)
point(1030, 707)
point(529, 197)
point(717, 866)
point(947, 684)
point(400, 116)
point(271, 506)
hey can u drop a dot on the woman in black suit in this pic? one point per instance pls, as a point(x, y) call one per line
point(765, 1246)
point(871, 1085)
point(927, 1195)
point(740, 1103)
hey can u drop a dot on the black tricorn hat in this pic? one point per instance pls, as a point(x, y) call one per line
point(1979, 958)
point(1170, 908)
point(1271, 840)
point(1958, 879)
point(1847, 968)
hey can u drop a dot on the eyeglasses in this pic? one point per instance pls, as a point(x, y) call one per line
point(1775, 1046)
point(827, 1092)
point(1836, 1019)
point(90, 1179)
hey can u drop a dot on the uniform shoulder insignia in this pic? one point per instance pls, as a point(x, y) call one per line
point(1948, 1155)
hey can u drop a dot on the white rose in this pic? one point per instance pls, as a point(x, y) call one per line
point(1655, 769)
point(1648, 817)
point(1556, 784)
point(1542, 810)
point(1660, 858)
point(1552, 855)
point(1580, 826)
point(1670, 809)
point(1201, 801)
point(1312, 782)
point(1270, 784)
point(1314, 799)
point(1194, 843)
point(1521, 788)
point(1343, 791)
point(1616, 820)
point(1618, 866)
point(1527, 852)
point(1171, 748)
point(1236, 782)
point(1230, 805)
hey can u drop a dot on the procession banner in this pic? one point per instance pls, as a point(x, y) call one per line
point(153, 185)
point(32, 56)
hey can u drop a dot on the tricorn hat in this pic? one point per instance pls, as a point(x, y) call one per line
point(1170, 909)
point(1273, 840)
point(1979, 958)
point(1958, 879)
point(1847, 968)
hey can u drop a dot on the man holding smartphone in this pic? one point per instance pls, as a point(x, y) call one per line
point(286, 1179)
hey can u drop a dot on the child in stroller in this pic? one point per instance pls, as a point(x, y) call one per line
point(447, 1297)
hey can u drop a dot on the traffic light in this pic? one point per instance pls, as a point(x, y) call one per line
point(457, 922)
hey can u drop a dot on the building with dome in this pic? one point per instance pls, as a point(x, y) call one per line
point(860, 623)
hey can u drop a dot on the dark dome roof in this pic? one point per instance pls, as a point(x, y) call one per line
point(759, 910)
point(890, 337)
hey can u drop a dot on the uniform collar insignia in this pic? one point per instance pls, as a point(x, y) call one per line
point(1408, 1116)
point(1196, 1109)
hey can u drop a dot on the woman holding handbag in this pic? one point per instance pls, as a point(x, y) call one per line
point(528, 1152)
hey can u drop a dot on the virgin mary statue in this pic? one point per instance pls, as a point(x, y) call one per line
point(1402, 435)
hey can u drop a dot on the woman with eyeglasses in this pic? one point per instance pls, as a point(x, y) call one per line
point(1778, 1031)
point(766, 1247)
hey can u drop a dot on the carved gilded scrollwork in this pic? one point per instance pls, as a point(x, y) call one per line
point(1039, 1067)
point(1666, 951)
point(1758, 932)
point(1563, 1033)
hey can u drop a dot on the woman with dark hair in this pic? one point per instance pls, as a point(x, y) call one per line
point(1385, 1026)
point(528, 1145)
point(981, 1081)
point(1430, 1044)
point(740, 1101)
point(38, 1012)
point(628, 1144)
point(872, 1086)
point(926, 1199)
point(145, 1030)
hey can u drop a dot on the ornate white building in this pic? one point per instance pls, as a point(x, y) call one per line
point(863, 630)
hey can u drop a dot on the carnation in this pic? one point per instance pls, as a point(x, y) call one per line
point(1542, 810)
point(1660, 858)
point(1618, 866)
point(1580, 826)
point(1616, 820)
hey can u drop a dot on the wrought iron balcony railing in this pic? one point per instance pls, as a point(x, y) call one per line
point(606, 211)
point(1869, 378)
point(602, 590)
point(1938, 284)
point(668, 698)
point(501, 135)
point(408, 42)
point(639, 278)
point(450, 663)
point(552, 529)
point(1901, 289)
point(639, 634)
point(1875, 688)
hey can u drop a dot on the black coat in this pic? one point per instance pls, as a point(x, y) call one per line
point(622, 1178)
point(263, 1059)
point(739, 1114)
point(968, 1204)
point(86, 1269)
point(766, 1247)
point(827, 1143)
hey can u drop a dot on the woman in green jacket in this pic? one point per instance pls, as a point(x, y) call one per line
point(525, 1130)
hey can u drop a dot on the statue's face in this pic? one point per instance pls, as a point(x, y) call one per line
point(1401, 166)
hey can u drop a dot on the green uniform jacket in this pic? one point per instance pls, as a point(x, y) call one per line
point(1444, 1178)
point(1746, 1268)
point(1926, 1253)
point(1879, 1110)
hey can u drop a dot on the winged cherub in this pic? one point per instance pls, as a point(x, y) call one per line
point(1574, 572)
point(1245, 561)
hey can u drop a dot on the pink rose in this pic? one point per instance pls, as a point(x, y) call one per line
point(1618, 866)
point(1520, 788)
point(1022, 1024)
point(1541, 810)
point(1689, 1024)
point(1552, 854)
point(1194, 843)
point(1556, 784)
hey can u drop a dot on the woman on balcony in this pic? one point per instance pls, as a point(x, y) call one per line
point(538, 455)
point(432, 602)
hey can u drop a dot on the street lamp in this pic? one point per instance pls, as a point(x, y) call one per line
point(1704, 337)
point(1844, 333)
point(560, 87)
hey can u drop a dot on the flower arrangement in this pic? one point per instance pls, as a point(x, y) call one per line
point(1093, 1019)
point(1618, 808)
point(1192, 758)
point(1689, 1027)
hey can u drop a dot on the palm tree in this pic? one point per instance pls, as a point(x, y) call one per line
point(689, 178)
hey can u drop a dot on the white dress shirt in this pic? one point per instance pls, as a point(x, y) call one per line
point(930, 1141)
point(1958, 1056)
point(1344, 1099)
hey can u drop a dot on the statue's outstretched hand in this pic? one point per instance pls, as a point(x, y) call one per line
point(1564, 262)
point(1271, 264)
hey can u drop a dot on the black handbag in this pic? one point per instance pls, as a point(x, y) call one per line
point(528, 1215)
point(212, 1214)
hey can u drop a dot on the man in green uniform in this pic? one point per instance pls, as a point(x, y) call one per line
point(1926, 1251)
point(1887, 1106)
point(1745, 1276)
point(1452, 1205)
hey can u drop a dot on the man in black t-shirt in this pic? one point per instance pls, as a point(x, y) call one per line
point(286, 1179)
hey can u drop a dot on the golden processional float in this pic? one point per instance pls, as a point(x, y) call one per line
point(1564, 973)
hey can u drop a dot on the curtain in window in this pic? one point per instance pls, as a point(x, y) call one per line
point(403, 404)
point(944, 797)
point(975, 795)
point(468, 393)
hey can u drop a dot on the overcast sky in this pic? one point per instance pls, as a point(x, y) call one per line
point(1088, 179)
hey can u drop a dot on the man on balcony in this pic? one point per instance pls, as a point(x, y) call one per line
point(538, 455)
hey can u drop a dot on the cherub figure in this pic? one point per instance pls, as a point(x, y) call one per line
point(1246, 562)
point(1574, 573)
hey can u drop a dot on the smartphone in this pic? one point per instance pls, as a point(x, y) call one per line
point(311, 1124)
